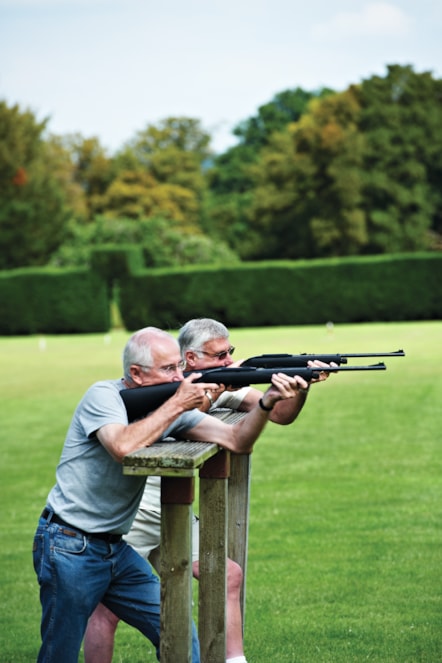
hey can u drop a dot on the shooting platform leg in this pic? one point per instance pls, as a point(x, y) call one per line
point(213, 557)
point(177, 495)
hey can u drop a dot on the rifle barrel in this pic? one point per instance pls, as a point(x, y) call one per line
point(397, 353)
point(245, 375)
point(274, 360)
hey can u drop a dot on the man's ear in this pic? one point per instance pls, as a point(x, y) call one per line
point(189, 358)
point(136, 374)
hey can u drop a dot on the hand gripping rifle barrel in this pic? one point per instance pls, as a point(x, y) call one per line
point(273, 360)
point(140, 401)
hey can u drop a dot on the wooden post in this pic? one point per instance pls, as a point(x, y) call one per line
point(212, 559)
point(177, 494)
point(238, 518)
point(238, 504)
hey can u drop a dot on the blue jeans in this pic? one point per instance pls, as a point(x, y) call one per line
point(75, 573)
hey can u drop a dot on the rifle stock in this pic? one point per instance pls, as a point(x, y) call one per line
point(140, 401)
point(274, 360)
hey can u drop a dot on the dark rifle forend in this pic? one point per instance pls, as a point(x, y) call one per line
point(274, 360)
point(140, 401)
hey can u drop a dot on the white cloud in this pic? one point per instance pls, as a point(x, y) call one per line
point(378, 19)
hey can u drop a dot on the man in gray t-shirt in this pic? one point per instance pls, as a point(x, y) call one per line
point(204, 343)
point(80, 557)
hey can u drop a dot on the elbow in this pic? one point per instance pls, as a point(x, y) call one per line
point(245, 451)
point(283, 421)
point(238, 446)
point(118, 456)
point(118, 452)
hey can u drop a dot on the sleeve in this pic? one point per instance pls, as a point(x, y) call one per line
point(184, 423)
point(102, 405)
point(231, 399)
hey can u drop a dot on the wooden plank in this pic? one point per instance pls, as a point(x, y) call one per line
point(163, 458)
point(171, 458)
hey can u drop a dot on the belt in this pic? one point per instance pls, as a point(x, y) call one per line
point(104, 536)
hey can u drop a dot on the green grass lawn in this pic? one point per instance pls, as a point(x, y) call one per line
point(345, 544)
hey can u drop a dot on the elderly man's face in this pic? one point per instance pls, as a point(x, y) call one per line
point(167, 365)
point(217, 352)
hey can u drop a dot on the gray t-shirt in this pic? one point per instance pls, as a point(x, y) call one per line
point(91, 492)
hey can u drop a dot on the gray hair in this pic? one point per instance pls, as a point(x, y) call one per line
point(138, 349)
point(198, 331)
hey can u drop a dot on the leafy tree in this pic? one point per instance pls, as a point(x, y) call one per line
point(93, 169)
point(136, 195)
point(307, 197)
point(173, 152)
point(63, 169)
point(401, 119)
point(183, 133)
point(230, 170)
point(285, 107)
point(230, 177)
point(160, 172)
point(164, 245)
point(226, 218)
point(33, 211)
point(359, 172)
point(20, 145)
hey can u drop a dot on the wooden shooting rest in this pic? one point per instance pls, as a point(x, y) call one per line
point(224, 486)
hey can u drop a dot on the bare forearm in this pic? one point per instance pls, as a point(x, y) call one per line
point(238, 438)
point(121, 440)
point(247, 431)
point(285, 412)
point(145, 432)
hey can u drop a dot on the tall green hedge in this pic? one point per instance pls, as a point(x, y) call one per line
point(371, 289)
point(379, 288)
point(114, 261)
point(53, 301)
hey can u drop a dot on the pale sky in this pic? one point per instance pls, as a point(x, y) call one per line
point(108, 68)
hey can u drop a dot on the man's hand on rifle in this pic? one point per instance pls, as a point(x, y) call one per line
point(323, 375)
point(284, 387)
point(191, 394)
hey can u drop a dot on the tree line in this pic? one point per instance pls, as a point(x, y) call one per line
point(313, 174)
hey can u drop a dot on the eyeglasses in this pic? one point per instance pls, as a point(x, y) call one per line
point(168, 370)
point(218, 355)
point(173, 368)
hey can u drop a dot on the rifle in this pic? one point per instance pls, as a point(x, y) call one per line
point(140, 401)
point(273, 361)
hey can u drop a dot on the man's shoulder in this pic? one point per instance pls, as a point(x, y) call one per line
point(108, 385)
point(103, 388)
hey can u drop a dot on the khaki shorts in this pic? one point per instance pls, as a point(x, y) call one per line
point(145, 536)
